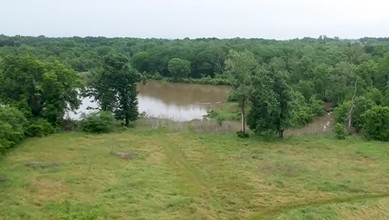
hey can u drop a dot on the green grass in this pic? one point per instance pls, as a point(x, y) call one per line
point(184, 175)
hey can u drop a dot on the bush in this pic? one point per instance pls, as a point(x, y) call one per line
point(242, 134)
point(340, 131)
point(98, 122)
point(12, 124)
point(305, 111)
point(69, 124)
point(361, 105)
point(39, 128)
point(376, 123)
point(8, 136)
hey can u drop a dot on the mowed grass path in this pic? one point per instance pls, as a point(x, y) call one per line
point(171, 175)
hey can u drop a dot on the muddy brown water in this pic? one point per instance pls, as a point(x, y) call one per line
point(174, 101)
point(187, 102)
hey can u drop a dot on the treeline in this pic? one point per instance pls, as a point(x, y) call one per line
point(352, 75)
point(206, 56)
point(275, 103)
point(322, 66)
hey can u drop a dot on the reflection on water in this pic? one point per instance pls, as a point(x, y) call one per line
point(175, 101)
point(156, 108)
point(184, 94)
point(186, 102)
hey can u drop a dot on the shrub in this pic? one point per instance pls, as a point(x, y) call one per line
point(39, 128)
point(316, 106)
point(7, 136)
point(305, 111)
point(98, 122)
point(376, 123)
point(12, 124)
point(361, 105)
point(242, 134)
point(340, 131)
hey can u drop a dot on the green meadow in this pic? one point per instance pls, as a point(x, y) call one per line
point(144, 173)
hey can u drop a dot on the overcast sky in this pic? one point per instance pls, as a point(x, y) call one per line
point(278, 19)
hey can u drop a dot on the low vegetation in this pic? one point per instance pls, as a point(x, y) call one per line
point(198, 169)
point(98, 122)
point(144, 173)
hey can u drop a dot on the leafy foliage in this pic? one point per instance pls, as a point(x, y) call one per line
point(12, 123)
point(242, 134)
point(113, 86)
point(271, 103)
point(98, 122)
point(361, 105)
point(303, 112)
point(340, 131)
point(39, 89)
point(241, 68)
point(376, 123)
point(320, 70)
point(179, 69)
point(39, 128)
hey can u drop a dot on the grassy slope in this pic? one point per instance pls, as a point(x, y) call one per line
point(194, 176)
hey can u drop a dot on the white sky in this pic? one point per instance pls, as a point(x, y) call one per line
point(279, 19)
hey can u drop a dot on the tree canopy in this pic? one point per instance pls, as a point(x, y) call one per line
point(113, 86)
point(178, 68)
point(39, 89)
point(351, 75)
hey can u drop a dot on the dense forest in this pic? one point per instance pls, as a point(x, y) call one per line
point(325, 67)
point(283, 83)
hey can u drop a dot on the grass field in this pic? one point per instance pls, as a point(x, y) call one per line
point(161, 174)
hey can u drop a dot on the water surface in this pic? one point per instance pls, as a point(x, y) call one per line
point(174, 101)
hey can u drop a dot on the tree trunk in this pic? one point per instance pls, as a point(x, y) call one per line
point(281, 133)
point(242, 116)
point(350, 112)
point(127, 121)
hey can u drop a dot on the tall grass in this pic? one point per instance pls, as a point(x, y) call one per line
point(198, 126)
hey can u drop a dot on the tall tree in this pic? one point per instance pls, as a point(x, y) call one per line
point(271, 109)
point(179, 68)
point(39, 89)
point(140, 61)
point(241, 68)
point(376, 123)
point(113, 86)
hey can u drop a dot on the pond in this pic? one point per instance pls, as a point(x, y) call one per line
point(174, 101)
point(187, 102)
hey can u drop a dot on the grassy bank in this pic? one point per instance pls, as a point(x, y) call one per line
point(147, 173)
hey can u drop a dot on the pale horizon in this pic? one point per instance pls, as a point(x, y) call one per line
point(177, 19)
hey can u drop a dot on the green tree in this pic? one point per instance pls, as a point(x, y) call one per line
point(304, 111)
point(340, 131)
point(39, 89)
point(113, 86)
point(382, 77)
point(376, 123)
point(341, 82)
point(179, 69)
point(361, 105)
point(306, 88)
point(375, 95)
point(241, 68)
point(12, 124)
point(271, 103)
point(141, 61)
